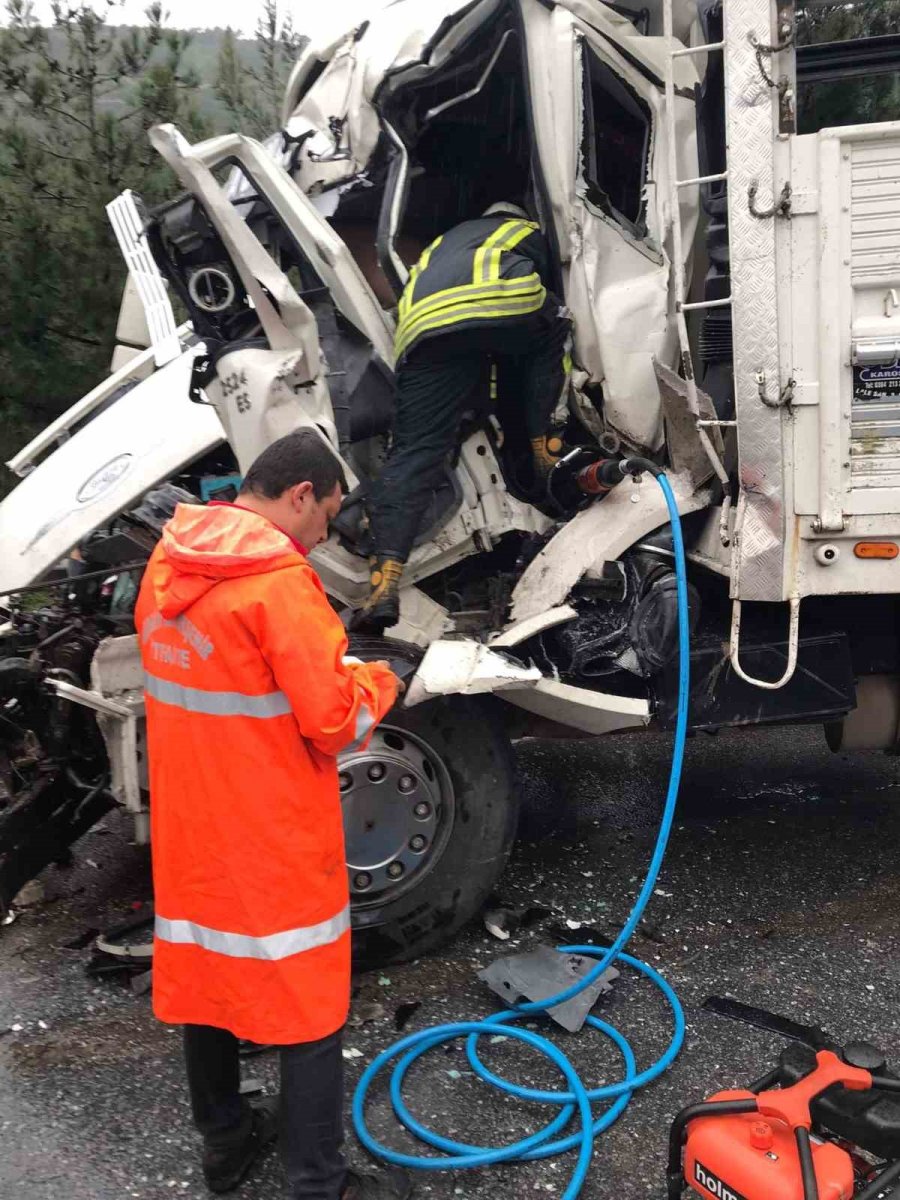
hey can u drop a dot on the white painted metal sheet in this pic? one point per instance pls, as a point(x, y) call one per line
point(125, 219)
point(145, 437)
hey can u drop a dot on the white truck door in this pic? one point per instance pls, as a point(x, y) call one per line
point(596, 95)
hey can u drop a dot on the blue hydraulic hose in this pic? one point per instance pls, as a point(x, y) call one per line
point(575, 1099)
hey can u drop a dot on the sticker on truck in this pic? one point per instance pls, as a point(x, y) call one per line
point(876, 383)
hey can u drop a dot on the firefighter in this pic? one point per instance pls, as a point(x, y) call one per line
point(249, 698)
point(477, 296)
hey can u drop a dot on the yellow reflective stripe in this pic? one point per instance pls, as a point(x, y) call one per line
point(509, 242)
point(479, 274)
point(487, 310)
point(406, 299)
point(468, 293)
point(486, 268)
point(487, 257)
point(426, 257)
point(483, 311)
point(518, 302)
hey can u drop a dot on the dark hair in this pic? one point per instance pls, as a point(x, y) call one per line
point(300, 457)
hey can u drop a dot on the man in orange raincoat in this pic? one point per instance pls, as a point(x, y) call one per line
point(249, 698)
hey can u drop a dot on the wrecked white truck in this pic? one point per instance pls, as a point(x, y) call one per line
point(735, 319)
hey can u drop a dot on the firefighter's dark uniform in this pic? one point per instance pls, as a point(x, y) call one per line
point(478, 296)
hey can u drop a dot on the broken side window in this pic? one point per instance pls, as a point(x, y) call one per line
point(615, 146)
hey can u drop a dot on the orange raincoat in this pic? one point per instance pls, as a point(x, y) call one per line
point(249, 699)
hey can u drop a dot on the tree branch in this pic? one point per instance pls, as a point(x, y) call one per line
point(73, 337)
point(64, 157)
point(61, 112)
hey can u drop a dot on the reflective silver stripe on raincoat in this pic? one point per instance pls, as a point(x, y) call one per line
point(272, 946)
point(216, 704)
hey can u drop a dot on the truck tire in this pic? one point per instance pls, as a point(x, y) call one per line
point(430, 815)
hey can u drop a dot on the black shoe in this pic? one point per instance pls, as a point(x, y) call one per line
point(225, 1168)
point(375, 620)
point(393, 1185)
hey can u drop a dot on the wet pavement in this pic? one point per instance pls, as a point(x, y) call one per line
point(781, 888)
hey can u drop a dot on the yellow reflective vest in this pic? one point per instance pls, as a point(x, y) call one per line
point(484, 271)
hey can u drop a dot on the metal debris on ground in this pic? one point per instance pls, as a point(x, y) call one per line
point(32, 893)
point(124, 952)
point(588, 935)
point(142, 983)
point(493, 924)
point(502, 920)
point(544, 972)
point(762, 1018)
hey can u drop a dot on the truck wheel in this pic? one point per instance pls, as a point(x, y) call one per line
point(430, 815)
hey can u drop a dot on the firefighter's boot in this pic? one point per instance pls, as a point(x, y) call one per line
point(546, 452)
point(381, 609)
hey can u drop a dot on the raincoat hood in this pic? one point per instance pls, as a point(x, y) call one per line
point(202, 546)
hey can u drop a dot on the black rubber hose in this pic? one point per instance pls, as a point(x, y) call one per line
point(884, 1084)
point(636, 466)
point(888, 1176)
point(807, 1167)
point(711, 1108)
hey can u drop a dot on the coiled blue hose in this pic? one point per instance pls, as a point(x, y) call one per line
point(574, 1096)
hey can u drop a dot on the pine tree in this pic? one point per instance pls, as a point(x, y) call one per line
point(76, 101)
point(857, 99)
point(253, 91)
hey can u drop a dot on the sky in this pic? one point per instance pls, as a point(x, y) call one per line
point(239, 14)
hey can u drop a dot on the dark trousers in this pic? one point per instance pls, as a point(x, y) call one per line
point(311, 1130)
point(440, 380)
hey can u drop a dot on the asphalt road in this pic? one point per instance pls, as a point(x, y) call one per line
point(780, 888)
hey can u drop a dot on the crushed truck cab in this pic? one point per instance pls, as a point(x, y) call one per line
point(730, 283)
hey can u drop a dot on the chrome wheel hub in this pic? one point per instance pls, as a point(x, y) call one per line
point(398, 811)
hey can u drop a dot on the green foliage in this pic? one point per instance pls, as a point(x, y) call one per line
point(252, 92)
point(856, 100)
point(76, 101)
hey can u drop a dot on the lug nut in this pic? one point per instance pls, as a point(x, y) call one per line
point(422, 810)
point(395, 870)
point(406, 783)
point(362, 881)
point(345, 781)
point(376, 772)
point(417, 842)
